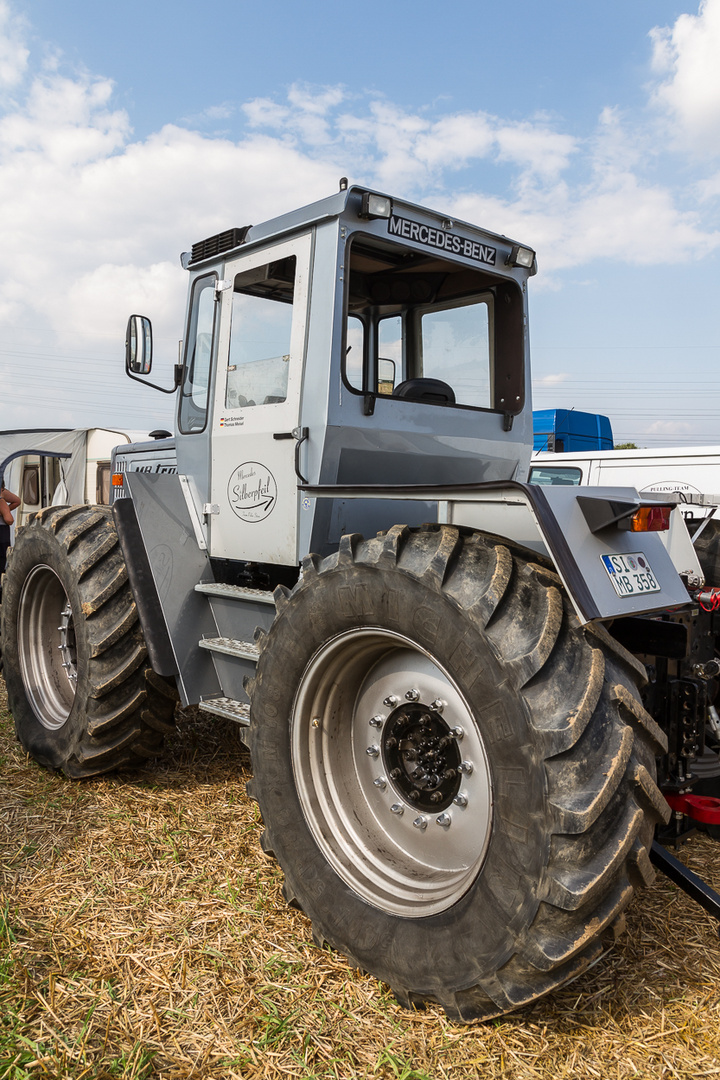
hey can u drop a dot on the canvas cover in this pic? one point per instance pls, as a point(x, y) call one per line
point(15, 444)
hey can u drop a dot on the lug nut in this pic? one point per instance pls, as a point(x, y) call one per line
point(391, 701)
point(398, 808)
point(414, 795)
point(438, 704)
point(445, 820)
point(372, 751)
point(465, 767)
point(460, 799)
point(457, 732)
point(436, 796)
point(380, 782)
point(377, 720)
point(420, 823)
point(413, 695)
point(396, 774)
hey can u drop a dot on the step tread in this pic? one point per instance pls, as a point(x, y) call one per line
point(248, 650)
point(234, 592)
point(227, 707)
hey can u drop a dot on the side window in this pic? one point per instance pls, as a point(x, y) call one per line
point(259, 359)
point(31, 485)
point(102, 483)
point(355, 352)
point(553, 475)
point(390, 353)
point(456, 349)
point(198, 370)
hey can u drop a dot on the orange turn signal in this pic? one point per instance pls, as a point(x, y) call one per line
point(117, 479)
point(651, 519)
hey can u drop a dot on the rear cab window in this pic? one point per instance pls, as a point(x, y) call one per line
point(420, 327)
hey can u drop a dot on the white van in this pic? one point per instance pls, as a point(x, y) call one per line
point(692, 472)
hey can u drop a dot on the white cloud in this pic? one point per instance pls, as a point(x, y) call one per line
point(668, 427)
point(551, 380)
point(687, 55)
point(13, 51)
point(93, 220)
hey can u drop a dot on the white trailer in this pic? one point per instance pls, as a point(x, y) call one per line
point(60, 466)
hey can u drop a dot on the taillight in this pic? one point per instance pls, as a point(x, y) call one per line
point(651, 519)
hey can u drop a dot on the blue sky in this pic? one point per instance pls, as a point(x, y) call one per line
point(591, 132)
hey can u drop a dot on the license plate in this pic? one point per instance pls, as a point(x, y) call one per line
point(630, 574)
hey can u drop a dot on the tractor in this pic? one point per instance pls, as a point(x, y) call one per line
point(470, 701)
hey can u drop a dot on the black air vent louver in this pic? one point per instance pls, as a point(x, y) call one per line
point(224, 241)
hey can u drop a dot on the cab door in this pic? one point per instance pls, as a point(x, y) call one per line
point(261, 347)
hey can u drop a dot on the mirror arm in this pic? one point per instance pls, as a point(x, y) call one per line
point(177, 379)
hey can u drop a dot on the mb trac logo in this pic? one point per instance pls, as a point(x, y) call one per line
point(252, 491)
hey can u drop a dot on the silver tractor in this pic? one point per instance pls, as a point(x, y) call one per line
point(441, 671)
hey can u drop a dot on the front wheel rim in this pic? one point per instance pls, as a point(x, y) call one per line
point(46, 647)
point(391, 772)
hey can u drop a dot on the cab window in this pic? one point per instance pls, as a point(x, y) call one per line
point(434, 330)
point(197, 371)
point(259, 358)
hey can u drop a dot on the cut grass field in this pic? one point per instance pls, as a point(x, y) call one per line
point(143, 934)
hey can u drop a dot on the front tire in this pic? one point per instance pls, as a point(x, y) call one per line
point(457, 779)
point(80, 689)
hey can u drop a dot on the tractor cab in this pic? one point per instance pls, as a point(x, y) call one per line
point(360, 340)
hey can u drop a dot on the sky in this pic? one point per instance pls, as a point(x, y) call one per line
point(588, 132)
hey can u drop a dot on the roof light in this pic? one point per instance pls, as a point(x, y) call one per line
point(521, 256)
point(375, 206)
point(651, 519)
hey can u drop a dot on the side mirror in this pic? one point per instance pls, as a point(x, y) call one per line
point(138, 345)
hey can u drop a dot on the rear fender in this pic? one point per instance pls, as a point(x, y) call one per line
point(573, 526)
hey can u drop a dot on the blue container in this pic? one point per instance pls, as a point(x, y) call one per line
point(567, 430)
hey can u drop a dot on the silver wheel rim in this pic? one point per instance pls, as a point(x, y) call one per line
point(46, 646)
point(359, 691)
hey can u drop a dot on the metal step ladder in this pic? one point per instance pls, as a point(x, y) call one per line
point(237, 612)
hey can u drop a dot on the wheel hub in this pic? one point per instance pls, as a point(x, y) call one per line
point(421, 756)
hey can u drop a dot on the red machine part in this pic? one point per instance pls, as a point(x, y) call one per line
point(698, 807)
point(708, 599)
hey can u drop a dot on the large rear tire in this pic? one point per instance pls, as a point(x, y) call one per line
point(80, 689)
point(457, 779)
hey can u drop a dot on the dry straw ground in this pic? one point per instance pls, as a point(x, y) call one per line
point(143, 934)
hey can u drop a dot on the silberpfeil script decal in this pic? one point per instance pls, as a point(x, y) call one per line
point(252, 491)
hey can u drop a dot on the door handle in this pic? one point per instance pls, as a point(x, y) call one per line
point(300, 435)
